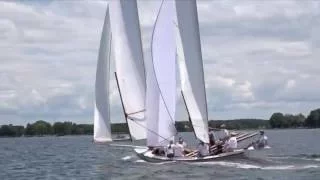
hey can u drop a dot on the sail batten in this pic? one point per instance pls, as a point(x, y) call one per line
point(102, 129)
point(161, 79)
point(191, 66)
point(129, 63)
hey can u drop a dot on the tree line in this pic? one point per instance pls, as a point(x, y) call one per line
point(43, 128)
point(236, 124)
point(279, 120)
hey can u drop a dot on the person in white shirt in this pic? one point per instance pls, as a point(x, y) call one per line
point(203, 149)
point(179, 148)
point(231, 144)
point(182, 142)
point(263, 140)
point(170, 149)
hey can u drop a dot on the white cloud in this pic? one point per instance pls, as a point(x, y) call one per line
point(260, 57)
point(291, 84)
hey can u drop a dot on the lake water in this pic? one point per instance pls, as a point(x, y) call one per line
point(295, 154)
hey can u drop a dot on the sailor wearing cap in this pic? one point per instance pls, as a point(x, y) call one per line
point(263, 140)
point(232, 143)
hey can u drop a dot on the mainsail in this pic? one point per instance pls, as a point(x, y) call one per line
point(102, 129)
point(191, 67)
point(161, 79)
point(129, 63)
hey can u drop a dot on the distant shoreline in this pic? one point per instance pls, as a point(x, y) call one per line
point(68, 135)
point(42, 128)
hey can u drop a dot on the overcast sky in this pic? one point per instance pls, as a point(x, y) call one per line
point(259, 58)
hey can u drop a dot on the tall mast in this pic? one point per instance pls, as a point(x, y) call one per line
point(189, 118)
point(124, 111)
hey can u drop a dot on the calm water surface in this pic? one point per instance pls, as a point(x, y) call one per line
point(295, 154)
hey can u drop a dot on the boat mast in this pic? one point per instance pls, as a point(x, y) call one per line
point(124, 111)
point(189, 118)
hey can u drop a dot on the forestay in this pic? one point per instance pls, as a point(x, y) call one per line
point(129, 63)
point(191, 67)
point(102, 130)
point(161, 79)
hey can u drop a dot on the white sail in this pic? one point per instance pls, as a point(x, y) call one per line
point(102, 129)
point(161, 79)
point(129, 63)
point(191, 67)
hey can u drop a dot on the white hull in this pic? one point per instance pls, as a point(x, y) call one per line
point(147, 155)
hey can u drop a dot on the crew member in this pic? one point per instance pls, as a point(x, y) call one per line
point(231, 144)
point(203, 149)
point(170, 149)
point(263, 140)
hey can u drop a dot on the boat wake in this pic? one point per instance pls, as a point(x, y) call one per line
point(308, 157)
point(226, 164)
point(291, 167)
point(140, 161)
point(252, 166)
point(126, 158)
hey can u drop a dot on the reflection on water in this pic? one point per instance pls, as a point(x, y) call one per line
point(293, 156)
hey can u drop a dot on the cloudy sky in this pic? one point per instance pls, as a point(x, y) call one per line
point(259, 58)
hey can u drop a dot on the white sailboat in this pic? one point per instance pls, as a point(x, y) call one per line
point(126, 48)
point(102, 128)
point(128, 55)
point(192, 76)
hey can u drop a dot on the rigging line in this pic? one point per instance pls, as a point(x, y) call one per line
point(166, 139)
point(148, 129)
point(136, 112)
point(171, 118)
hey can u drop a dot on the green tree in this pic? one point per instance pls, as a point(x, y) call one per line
point(19, 130)
point(313, 120)
point(276, 120)
point(58, 128)
point(29, 131)
point(42, 128)
point(7, 130)
point(68, 126)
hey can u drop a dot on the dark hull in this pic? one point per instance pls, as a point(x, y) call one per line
point(121, 139)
